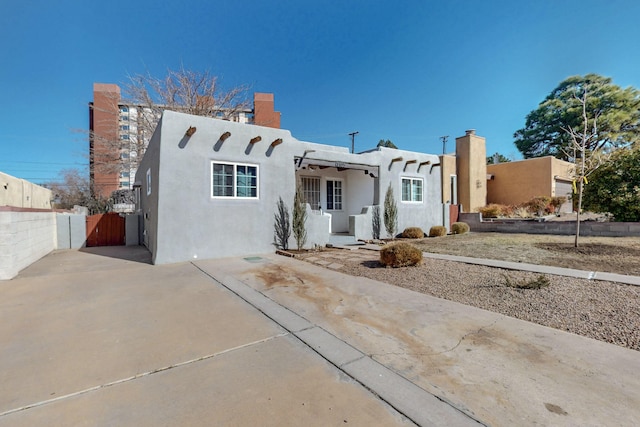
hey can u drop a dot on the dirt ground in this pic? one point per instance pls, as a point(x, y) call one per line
point(607, 254)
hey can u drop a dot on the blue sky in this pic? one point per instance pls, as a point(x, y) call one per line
point(409, 71)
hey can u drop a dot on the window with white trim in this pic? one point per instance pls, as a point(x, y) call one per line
point(334, 195)
point(412, 190)
point(234, 180)
point(311, 190)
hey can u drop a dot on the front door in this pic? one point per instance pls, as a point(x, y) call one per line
point(335, 194)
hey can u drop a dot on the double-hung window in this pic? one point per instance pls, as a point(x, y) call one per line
point(412, 190)
point(334, 195)
point(234, 180)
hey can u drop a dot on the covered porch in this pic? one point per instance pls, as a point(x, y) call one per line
point(343, 191)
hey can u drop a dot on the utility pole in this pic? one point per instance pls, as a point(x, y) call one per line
point(444, 143)
point(353, 137)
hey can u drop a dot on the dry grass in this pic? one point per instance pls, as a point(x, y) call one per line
point(607, 254)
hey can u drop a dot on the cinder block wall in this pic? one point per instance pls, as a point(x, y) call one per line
point(25, 237)
point(567, 228)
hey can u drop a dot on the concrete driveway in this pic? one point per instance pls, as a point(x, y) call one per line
point(100, 337)
point(499, 370)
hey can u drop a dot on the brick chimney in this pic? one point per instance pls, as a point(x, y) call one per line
point(263, 111)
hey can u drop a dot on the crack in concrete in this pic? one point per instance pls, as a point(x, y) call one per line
point(141, 375)
point(482, 328)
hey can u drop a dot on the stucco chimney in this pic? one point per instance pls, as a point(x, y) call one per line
point(471, 170)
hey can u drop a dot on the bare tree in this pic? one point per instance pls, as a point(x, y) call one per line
point(190, 92)
point(121, 148)
point(72, 188)
point(587, 152)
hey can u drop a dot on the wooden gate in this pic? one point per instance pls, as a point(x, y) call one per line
point(453, 213)
point(105, 230)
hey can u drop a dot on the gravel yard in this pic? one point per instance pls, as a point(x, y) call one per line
point(600, 310)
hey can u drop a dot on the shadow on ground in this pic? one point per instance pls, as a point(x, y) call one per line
point(130, 253)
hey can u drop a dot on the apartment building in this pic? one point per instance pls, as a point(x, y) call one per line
point(119, 133)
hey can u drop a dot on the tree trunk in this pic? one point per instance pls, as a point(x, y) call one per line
point(580, 185)
point(578, 213)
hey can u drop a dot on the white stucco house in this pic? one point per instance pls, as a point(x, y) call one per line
point(209, 188)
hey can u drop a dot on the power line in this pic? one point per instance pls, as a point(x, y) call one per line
point(42, 163)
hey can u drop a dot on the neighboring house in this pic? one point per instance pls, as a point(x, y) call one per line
point(469, 182)
point(19, 193)
point(512, 183)
point(118, 134)
point(208, 188)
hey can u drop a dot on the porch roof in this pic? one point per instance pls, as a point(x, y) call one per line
point(306, 162)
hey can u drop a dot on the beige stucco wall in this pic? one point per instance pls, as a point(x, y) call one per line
point(520, 181)
point(448, 168)
point(19, 193)
point(471, 166)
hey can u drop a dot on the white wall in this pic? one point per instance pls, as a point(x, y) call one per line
point(23, 194)
point(25, 237)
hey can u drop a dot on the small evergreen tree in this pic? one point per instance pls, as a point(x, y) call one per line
point(299, 218)
point(282, 226)
point(375, 222)
point(390, 213)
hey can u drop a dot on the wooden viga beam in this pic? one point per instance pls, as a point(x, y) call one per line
point(428, 162)
point(225, 136)
point(409, 162)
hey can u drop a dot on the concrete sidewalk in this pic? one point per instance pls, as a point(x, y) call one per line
point(498, 370)
point(101, 337)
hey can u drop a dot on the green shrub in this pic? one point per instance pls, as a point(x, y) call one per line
point(437, 231)
point(413, 233)
point(400, 254)
point(492, 210)
point(459, 228)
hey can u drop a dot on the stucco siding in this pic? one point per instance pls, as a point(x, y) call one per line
point(520, 181)
point(19, 193)
point(183, 221)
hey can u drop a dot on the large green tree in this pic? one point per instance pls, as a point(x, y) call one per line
point(616, 111)
point(615, 186)
point(386, 143)
point(497, 158)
